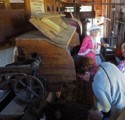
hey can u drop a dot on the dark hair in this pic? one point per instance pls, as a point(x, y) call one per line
point(83, 64)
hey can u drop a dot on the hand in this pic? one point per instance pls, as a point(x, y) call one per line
point(95, 114)
point(79, 75)
point(85, 77)
point(104, 44)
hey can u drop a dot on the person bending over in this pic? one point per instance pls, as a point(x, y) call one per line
point(108, 85)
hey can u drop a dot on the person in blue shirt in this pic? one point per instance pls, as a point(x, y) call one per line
point(108, 85)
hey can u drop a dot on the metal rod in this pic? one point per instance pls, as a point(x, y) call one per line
point(120, 22)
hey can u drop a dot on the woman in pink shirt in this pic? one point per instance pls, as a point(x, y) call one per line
point(89, 45)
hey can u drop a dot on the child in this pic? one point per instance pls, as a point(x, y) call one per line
point(121, 58)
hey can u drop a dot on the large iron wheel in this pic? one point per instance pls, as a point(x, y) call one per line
point(28, 88)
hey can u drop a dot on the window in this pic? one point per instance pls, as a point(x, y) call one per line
point(69, 9)
point(16, 1)
point(85, 8)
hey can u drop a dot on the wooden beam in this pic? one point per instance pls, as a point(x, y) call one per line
point(27, 6)
point(7, 4)
point(122, 22)
point(2, 1)
point(92, 3)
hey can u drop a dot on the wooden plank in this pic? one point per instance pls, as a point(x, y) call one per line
point(74, 41)
point(79, 24)
point(92, 3)
point(27, 5)
point(40, 16)
point(51, 24)
point(7, 4)
point(59, 32)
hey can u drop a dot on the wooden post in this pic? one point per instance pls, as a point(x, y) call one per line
point(27, 6)
point(7, 4)
point(45, 5)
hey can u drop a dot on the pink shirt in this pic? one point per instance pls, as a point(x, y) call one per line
point(87, 48)
point(121, 66)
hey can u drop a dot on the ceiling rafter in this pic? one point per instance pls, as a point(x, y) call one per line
point(93, 3)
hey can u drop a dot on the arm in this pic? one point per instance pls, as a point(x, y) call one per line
point(84, 53)
point(102, 102)
point(86, 46)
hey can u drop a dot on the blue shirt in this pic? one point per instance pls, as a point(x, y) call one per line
point(109, 92)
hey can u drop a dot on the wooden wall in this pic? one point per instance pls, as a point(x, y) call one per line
point(118, 23)
point(13, 23)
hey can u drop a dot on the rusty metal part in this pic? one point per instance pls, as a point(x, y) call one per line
point(23, 78)
point(28, 88)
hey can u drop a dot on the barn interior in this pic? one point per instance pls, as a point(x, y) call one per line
point(38, 42)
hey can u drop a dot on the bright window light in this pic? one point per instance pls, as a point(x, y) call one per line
point(16, 1)
point(69, 9)
point(85, 8)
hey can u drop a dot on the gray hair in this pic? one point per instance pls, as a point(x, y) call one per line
point(94, 30)
point(123, 46)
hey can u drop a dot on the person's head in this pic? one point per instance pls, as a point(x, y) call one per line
point(83, 65)
point(93, 30)
point(123, 49)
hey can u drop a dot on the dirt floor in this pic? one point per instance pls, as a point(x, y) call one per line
point(75, 101)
